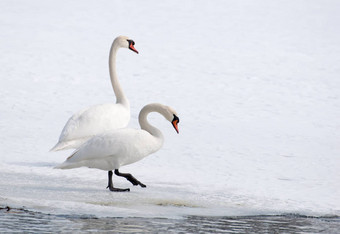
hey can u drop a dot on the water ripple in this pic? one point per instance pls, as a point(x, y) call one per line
point(22, 220)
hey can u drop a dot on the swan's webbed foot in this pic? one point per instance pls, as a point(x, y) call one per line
point(130, 178)
point(113, 189)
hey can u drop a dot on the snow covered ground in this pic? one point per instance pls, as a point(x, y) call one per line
point(255, 83)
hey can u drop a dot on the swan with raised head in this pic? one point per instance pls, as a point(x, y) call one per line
point(99, 118)
point(114, 149)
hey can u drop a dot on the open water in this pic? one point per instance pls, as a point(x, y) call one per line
point(23, 220)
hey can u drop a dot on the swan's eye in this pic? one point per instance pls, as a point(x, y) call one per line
point(176, 118)
point(131, 42)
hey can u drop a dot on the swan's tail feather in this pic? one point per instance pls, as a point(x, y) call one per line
point(69, 165)
point(59, 146)
point(66, 165)
point(65, 145)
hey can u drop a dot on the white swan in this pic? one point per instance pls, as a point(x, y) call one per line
point(99, 118)
point(109, 151)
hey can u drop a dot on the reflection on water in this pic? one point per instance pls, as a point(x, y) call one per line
point(20, 220)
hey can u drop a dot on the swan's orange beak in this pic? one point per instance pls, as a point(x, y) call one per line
point(175, 122)
point(131, 47)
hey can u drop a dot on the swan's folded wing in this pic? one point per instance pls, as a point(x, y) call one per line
point(103, 146)
point(94, 120)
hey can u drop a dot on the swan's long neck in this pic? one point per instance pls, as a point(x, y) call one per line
point(120, 96)
point(143, 122)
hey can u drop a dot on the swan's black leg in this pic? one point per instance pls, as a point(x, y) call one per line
point(113, 189)
point(130, 178)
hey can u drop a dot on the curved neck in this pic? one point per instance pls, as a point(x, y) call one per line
point(143, 122)
point(121, 98)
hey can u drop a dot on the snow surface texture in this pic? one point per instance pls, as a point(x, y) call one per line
point(255, 83)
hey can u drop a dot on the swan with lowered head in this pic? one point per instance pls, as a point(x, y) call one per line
point(112, 150)
point(99, 118)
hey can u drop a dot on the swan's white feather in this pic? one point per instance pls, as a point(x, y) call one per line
point(112, 150)
point(92, 121)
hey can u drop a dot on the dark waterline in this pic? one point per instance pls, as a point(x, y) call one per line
point(22, 220)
